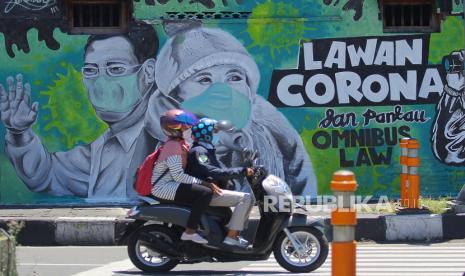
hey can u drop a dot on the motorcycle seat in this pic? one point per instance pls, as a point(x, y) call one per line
point(224, 213)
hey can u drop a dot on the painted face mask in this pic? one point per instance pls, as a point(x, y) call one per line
point(222, 102)
point(114, 94)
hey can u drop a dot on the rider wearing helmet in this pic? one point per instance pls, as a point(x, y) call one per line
point(203, 164)
point(168, 178)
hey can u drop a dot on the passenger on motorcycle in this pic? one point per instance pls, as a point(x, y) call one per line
point(203, 164)
point(168, 178)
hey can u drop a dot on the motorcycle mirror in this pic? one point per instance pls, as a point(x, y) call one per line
point(225, 125)
point(250, 156)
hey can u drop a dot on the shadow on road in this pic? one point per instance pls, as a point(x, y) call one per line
point(203, 272)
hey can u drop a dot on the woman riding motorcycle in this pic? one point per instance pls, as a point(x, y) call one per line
point(169, 180)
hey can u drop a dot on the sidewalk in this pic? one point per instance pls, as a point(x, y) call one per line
point(106, 226)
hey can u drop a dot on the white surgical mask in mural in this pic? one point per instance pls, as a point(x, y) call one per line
point(114, 90)
point(222, 102)
point(218, 92)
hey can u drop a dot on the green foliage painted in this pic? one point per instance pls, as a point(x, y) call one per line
point(275, 25)
point(72, 119)
point(449, 39)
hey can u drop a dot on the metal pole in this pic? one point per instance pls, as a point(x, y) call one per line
point(413, 178)
point(344, 220)
point(404, 173)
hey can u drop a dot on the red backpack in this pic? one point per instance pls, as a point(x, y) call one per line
point(143, 184)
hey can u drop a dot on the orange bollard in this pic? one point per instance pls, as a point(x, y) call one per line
point(344, 219)
point(413, 179)
point(404, 172)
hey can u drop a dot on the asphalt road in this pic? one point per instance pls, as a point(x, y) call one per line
point(436, 259)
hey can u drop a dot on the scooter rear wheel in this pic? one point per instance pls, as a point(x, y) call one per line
point(315, 250)
point(146, 259)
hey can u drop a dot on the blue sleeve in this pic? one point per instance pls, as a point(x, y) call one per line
point(217, 173)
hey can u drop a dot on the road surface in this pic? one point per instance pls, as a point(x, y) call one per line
point(435, 259)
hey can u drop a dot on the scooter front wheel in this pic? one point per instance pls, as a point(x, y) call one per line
point(146, 258)
point(311, 254)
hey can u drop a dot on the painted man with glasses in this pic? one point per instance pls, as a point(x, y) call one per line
point(118, 74)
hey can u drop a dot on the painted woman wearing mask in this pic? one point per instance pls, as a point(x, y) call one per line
point(208, 71)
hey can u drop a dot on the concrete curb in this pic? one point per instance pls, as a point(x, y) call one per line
point(70, 231)
point(109, 230)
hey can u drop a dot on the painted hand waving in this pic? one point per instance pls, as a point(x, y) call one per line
point(17, 113)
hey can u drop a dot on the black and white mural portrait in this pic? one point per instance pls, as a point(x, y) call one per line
point(448, 133)
point(209, 72)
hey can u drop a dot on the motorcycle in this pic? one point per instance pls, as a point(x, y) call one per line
point(296, 239)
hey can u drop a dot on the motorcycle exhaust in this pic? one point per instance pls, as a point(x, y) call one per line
point(158, 245)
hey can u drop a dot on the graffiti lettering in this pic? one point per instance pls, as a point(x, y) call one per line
point(33, 5)
point(359, 71)
point(366, 156)
point(338, 120)
point(348, 88)
point(365, 137)
point(374, 52)
point(397, 114)
point(335, 120)
point(357, 147)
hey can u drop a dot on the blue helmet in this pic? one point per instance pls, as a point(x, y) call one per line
point(204, 129)
point(174, 121)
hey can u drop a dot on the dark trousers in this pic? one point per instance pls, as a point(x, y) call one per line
point(198, 197)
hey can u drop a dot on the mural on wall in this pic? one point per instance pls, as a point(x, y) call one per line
point(208, 71)
point(207, 3)
point(198, 67)
point(368, 71)
point(356, 5)
point(448, 133)
point(118, 75)
point(18, 17)
point(311, 96)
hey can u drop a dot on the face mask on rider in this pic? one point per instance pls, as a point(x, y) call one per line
point(222, 102)
point(187, 136)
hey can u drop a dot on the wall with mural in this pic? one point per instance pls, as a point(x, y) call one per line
point(313, 86)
